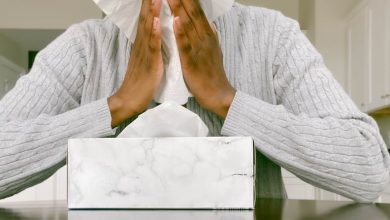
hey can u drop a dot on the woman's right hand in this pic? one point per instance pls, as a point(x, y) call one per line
point(145, 68)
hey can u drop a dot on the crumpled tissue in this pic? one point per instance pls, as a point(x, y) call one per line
point(125, 13)
point(166, 120)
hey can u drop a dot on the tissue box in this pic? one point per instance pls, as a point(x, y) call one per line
point(161, 173)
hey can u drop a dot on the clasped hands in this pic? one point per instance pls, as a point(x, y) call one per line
point(200, 55)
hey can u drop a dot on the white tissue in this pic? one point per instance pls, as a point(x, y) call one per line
point(125, 13)
point(166, 120)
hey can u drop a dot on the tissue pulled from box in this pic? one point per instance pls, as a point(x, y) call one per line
point(166, 120)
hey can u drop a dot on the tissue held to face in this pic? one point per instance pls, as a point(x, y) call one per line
point(173, 86)
point(200, 57)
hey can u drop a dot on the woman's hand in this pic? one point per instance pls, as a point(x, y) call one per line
point(145, 67)
point(201, 57)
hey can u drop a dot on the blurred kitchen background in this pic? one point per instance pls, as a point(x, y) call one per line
point(352, 35)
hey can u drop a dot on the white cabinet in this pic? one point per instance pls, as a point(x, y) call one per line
point(54, 188)
point(9, 74)
point(358, 57)
point(368, 33)
point(296, 188)
point(377, 54)
point(385, 198)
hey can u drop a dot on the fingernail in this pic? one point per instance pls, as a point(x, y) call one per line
point(155, 23)
point(177, 22)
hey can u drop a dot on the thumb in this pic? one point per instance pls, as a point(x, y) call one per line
point(155, 37)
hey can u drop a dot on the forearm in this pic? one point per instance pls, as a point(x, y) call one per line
point(31, 147)
point(347, 156)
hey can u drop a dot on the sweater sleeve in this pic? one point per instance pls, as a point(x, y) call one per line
point(42, 111)
point(315, 131)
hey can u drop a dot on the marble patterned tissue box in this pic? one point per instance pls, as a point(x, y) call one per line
point(161, 173)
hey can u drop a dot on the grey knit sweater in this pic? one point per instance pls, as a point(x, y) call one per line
point(287, 100)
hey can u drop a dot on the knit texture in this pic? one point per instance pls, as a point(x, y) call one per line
point(287, 100)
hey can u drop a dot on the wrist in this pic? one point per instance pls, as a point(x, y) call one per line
point(118, 110)
point(226, 102)
point(115, 105)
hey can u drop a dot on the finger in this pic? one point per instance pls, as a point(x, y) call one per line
point(156, 4)
point(197, 15)
point(149, 10)
point(189, 29)
point(155, 37)
point(156, 8)
point(182, 41)
point(175, 6)
point(146, 8)
point(198, 18)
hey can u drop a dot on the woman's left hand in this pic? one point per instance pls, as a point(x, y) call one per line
point(201, 57)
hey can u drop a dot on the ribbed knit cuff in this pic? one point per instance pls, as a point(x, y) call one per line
point(236, 121)
point(97, 118)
